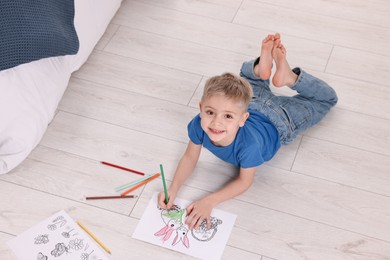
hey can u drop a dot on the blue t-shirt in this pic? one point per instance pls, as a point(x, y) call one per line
point(256, 142)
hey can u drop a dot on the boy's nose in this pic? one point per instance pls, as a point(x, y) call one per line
point(216, 120)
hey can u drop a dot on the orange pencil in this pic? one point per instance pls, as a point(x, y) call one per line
point(140, 184)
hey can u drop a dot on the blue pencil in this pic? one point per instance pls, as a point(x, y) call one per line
point(128, 185)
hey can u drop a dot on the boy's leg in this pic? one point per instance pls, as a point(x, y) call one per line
point(284, 76)
point(314, 99)
point(258, 71)
point(264, 69)
point(260, 87)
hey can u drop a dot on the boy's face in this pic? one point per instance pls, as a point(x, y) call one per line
point(221, 118)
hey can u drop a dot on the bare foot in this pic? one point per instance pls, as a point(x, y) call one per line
point(265, 64)
point(277, 36)
point(284, 76)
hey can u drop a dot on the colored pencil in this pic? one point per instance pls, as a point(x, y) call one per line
point(123, 168)
point(164, 184)
point(110, 197)
point(140, 184)
point(94, 238)
point(128, 185)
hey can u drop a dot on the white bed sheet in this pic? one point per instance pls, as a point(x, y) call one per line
point(31, 92)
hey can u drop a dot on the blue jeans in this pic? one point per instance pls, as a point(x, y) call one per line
point(291, 115)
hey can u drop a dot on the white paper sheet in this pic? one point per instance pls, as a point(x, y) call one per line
point(167, 229)
point(57, 237)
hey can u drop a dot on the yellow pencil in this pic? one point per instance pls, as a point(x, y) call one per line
point(94, 238)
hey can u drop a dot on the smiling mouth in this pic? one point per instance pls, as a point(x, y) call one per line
point(214, 131)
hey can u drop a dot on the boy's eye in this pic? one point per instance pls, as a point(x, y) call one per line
point(229, 116)
point(210, 113)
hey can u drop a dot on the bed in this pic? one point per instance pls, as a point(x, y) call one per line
point(31, 91)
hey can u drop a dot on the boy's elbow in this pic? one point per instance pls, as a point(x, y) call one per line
point(247, 177)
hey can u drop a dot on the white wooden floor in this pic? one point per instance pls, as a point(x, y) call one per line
point(326, 196)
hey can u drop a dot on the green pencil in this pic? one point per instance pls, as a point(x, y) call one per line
point(164, 184)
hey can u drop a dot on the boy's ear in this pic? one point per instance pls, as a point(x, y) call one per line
point(244, 117)
point(200, 109)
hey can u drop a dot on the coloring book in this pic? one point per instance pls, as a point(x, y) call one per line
point(57, 237)
point(166, 228)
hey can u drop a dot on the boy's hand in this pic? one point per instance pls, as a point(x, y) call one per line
point(161, 200)
point(197, 212)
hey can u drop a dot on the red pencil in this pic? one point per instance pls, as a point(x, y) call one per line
point(110, 197)
point(122, 168)
point(140, 184)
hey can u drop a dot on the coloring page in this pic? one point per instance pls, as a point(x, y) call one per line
point(57, 237)
point(166, 228)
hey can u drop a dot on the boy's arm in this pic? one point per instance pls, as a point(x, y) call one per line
point(202, 208)
point(184, 169)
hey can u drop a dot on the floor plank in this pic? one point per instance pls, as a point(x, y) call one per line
point(106, 142)
point(352, 10)
point(294, 22)
point(217, 9)
point(212, 33)
point(73, 177)
point(344, 165)
point(127, 109)
point(359, 96)
point(367, 66)
point(172, 53)
point(139, 77)
point(5, 253)
point(318, 200)
point(355, 130)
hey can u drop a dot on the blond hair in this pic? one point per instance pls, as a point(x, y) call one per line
point(229, 85)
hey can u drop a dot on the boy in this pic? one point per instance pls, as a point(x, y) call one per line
point(246, 131)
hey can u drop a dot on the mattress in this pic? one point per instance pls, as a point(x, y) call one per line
point(31, 92)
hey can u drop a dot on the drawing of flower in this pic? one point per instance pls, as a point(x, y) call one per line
point(67, 234)
point(58, 218)
point(85, 256)
point(59, 221)
point(52, 227)
point(76, 244)
point(42, 239)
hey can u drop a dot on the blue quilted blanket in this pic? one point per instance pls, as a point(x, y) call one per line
point(34, 29)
